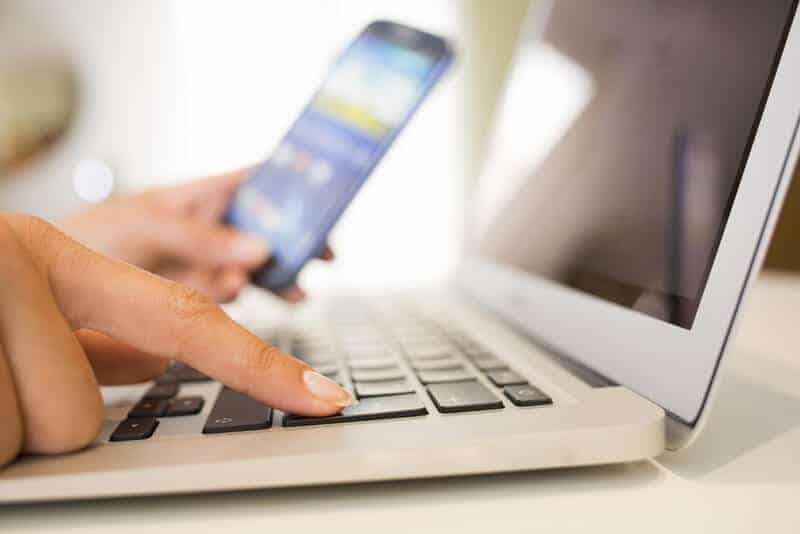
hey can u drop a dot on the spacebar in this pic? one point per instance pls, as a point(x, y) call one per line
point(367, 410)
point(234, 412)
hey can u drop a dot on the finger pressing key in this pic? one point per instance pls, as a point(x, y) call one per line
point(164, 318)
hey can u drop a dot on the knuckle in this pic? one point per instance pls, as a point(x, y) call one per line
point(33, 233)
point(190, 309)
point(188, 304)
point(36, 230)
point(261, 360)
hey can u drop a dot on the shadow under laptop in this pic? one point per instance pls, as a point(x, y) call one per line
point(758, 401)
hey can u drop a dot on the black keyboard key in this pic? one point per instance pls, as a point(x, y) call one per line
point(162, 391)
point(184, 406)
point(463, 397)
point(381, 389)
point(526, 395)
point(368, 409)
point(149, 408)
point(180, 372)
point(377, 375)
point(435, 365)
point(506, 377)
point(444, 375)
point(133, 429)
point(235, 412)
point(489, 363)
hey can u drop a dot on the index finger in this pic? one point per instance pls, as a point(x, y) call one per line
point(168, 319)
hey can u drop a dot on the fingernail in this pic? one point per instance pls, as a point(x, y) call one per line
point(250, 249)
point(326, 389)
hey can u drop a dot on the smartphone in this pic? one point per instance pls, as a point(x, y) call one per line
point(296, 196)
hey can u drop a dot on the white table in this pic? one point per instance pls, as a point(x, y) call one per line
point(743, 474)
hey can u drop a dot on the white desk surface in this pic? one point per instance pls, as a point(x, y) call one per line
point(743, 474)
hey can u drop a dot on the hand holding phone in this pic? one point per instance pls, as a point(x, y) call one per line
point(295, 197)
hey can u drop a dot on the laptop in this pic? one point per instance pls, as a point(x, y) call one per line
point(637, 165)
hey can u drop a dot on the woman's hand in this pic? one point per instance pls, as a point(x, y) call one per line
point(176, 232)
point(71, 318)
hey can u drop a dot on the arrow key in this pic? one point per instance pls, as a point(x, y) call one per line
point(133, 429)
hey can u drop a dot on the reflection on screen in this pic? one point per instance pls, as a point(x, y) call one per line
point(630, 168)
point(367, 95)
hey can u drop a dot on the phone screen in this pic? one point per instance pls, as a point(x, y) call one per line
point(294, 197)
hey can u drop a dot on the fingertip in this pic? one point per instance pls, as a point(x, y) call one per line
point(234, 280)
point(228, 285)
point(293, 294)
point(327, 254)
point(249, 250)
point(331, 396)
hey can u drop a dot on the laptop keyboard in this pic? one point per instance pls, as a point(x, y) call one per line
point(390, 360)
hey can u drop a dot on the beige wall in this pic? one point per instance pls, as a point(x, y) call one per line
point(784, 252)
point(490, 35)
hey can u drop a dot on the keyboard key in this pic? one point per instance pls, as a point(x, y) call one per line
point(184, 406)
point(133, 429)
point(149, 408)
point(463, 397)
point(489, 363)
point(235, 412)
point(333, 375)
point(373, 363)
point(527, 395)
point(316, 350)
point(368, 409)
point(381, 389)
point(438, 364)
point(464, 341)
point(444, 375)
point(180, 372)
point(162, 391)
point(377, 375)
point(429, 352)
point(432, 355)
point(319, 359)
point(469, 345)
point(477, 353)
point(327, 369)
point(366, 349)
point(506, 377)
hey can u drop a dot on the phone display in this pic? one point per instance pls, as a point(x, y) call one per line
point(294, 198)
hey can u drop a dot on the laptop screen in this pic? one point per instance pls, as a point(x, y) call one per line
point(620, 142)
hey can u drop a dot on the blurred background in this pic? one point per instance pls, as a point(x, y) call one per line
point(105, 96)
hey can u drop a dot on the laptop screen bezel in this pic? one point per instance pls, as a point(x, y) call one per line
point(671, 366)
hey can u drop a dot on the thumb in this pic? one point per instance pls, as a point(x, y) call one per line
point(210, 244)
